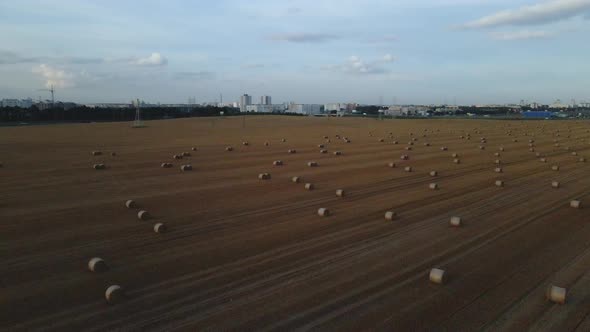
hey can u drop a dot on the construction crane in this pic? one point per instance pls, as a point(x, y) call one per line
point(52, 90)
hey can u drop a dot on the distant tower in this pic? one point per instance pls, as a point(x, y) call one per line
point(245, 100)
point(265, 100)
point(138, 123)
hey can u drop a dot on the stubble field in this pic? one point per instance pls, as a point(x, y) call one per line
point(247, 254)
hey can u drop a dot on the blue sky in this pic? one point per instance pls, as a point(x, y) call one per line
point(308, 51)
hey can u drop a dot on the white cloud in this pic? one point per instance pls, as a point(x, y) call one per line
point(155, 59)
point(357, 66)
point(304, 37)
point(520, 35)
point(541, 13)
point(56, 77)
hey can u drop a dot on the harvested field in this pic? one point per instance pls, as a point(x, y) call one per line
point(251, 255)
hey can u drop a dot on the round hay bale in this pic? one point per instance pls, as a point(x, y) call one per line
point(499, 183)
point(582, 160)
point(455, 221)
point(395, 142)
point(113, 154)
point(143, 215)
point(99, 166)
point(160, 228)
point(97, 264)
point(340, 192)
point(481, 147)
point(390, 215)
point(444, 148)
point(574, 153)
point(437, 276)
point(323, 212)
point(497, 154)
point(501, 148)
point(245, 143)
point(291, 151)
point(410, 143)
point(114, 294)
point(177, 156)
point(266, 143)
point(186, 168)
point(264, 176)
point(194, 148)
point(283, 140)
point(538, 154)
point(130, 204)
point(433, 186)
point(426, 144)
point(309, 186)
point(321, 146)
point(433, 173)
point(323, 151)
point(555, 168)
point(391, 165)
point(543, 160)
point(408, 148)
point(408, 169)
point(381, 140)
point(497, 161)
point(404, 157)
point(96, 153)
point(312, 164)
point(337, 153)
point(555, 184)
point(229, 148)
point(576, 204)
point(556, 294)
point(457, 161)
point(295, 179)
point(532, 149)
point(166, 165)
point(455, 155)
point(277, 163)
point(186, 154)
point(498, 170)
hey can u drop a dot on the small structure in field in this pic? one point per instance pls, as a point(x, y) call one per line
point(498, 170)
point(433, 173)
point(340, 193)
point(455, 155)
point(337, 153)
point(295, 179)
point(323, 212)
point(245, 143)
point(497, 161)
point(309, 186)
point(160, 228)
point(437, 276)
point(555, 184)
point(404, 157)
point(114, 294)
point(582, 160)
point(455, 221)
point(499, 183)
point(186, 168)
point(264, 176)
point(99, 166)
point(113, 154)
point(277, 163)
point(457, 161)
point(186, 154)
point(97, 264)
point(408, 169)
point(556, 294)
point(229, 148)
point(321, 146)
point(555, 168)
point(323, 151)
point(177, 156)
point(433, 186)
point(291, 151)
point(576, 204)
point(443, 148)
point(166, 165)
point(194, 148)
point(312, 164)
point(96, 153)
point(391, 165)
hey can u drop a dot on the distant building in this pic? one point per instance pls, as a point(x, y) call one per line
point(309, 109)
point(265, 100)
point(262, 108)
point(537, 114)
point(245, 100)
point(10, 103)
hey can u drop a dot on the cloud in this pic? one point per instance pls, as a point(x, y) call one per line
point(11, 58)
point(541, 13)
point(191, 75)
point(253, 66)
point(384, 39)
point(357, 66)
point(520, 35)
point(56, 77)
point(304, 37)
point(154, 59)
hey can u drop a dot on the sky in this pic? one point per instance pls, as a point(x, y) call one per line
point(305, 51)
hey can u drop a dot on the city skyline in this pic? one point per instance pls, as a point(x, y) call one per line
point(410, 52)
